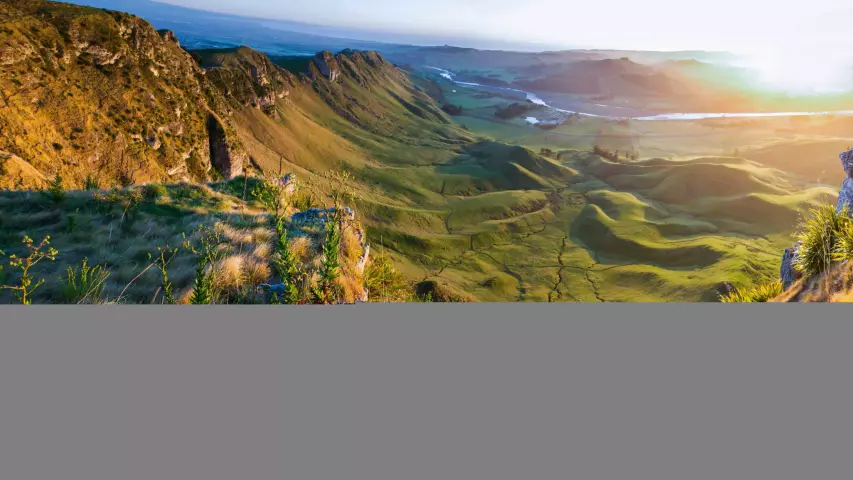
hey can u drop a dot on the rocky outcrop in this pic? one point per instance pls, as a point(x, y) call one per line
point(845, 196)
point(327, 65)
point(169, 36)
point(787, 273)
point(319, 217)
point(288, 182)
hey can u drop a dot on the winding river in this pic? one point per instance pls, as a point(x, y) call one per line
point(609, 111)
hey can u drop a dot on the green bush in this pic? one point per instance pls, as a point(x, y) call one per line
point(208, 253)
point(384, 282)
point(26, 285)
point(164, 258)
point(756, 294)
point(330, 267)
point(284, 264)
point(154, 191)
point(55, 191)
point(305, 201)
point(91, 183)
point(84, 284)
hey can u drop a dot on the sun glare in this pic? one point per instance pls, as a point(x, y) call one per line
point(804, 73)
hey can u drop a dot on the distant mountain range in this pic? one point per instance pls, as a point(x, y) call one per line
point(204, 29)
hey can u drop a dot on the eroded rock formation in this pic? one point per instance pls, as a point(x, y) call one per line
point(327, 65)
point(224, 157)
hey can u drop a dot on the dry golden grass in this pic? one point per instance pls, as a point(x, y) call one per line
point(352, 285)
point(262, 235)
point(238, 277)
point(228, 274)
point(351, 248)
point(262, 252)
point(256, 272)
point(834, 285)
point(302, 248)
point(234, 235)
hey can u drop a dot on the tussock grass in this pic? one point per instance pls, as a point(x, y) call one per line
point(819, 235)
point(755, 294)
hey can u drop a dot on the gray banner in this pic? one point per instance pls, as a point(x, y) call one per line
point(427, 392)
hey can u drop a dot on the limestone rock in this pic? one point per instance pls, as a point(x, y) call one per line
point(845, 196)
point(289, 183)
point(316, 216)
point(788, 273)
point(847, 162)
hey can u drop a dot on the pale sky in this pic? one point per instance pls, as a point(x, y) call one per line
point(782, 26)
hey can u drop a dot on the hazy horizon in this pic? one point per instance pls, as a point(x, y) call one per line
point(790, 47)
point(661, 25)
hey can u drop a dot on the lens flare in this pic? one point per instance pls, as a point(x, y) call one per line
point(811, 72)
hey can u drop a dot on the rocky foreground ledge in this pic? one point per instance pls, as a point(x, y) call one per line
point(788, 273)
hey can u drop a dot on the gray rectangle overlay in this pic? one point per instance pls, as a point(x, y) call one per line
point(417, 392)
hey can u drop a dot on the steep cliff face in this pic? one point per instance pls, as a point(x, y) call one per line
point(325, 65)
point(91, 92)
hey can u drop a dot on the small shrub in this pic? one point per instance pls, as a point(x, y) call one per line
point(91, 183)
point(55, 191)
point(284, 264)
point(72, 223)
point(154, 191)
point(305, 201)
point(165, 257)
point(756, 294)
point(329, 270)
point(271, 193)
point(208, 253)
point(84, 284)
point(384, 282)
point(24, 289)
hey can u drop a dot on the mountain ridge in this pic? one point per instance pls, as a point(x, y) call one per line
point(99, 92)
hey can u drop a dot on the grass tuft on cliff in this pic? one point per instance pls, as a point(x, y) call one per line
point(755, 294)
point(820, 235)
